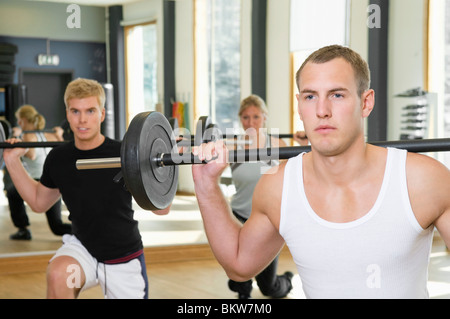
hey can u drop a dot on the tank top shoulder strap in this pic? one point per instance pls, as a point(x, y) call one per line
point(41, 137)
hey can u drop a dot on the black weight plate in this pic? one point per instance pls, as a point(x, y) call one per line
point(6, 58)
point(6, 129)
point(148, 135)
point(7, 68)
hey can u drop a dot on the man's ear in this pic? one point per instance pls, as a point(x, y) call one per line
point(103, 114)
point(367, 102)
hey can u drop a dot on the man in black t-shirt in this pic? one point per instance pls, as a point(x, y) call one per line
point(106, 246)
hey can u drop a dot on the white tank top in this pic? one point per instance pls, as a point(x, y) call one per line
point(383, 254)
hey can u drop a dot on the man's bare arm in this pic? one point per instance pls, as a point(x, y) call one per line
point(37, 196)
point(243, 251)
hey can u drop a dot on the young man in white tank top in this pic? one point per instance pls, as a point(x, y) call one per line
point(357, 218)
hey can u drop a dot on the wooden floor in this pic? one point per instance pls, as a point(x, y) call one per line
point(180, 264)
point(188, 279)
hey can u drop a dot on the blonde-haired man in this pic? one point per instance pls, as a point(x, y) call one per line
point(106, 246)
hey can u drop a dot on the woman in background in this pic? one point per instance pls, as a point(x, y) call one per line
point(253, 114)
point(30, 122)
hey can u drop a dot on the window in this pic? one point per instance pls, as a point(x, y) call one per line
point(329, 20)
point(217, 61)
point(439, 69)
point(141, 63)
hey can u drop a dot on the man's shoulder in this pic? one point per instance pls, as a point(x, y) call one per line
point(428, 183)
point(425, 173)
point(424, 164)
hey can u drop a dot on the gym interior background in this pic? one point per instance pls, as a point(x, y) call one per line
point(190, 58)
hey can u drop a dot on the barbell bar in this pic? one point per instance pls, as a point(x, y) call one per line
point(263, 154)
point(149, 159)
point(31, 144)
point(51, 144)
point(282, 153)
point(233, 136)
point(160, 177)
point(39, 131)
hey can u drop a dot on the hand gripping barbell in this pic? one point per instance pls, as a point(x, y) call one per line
point(149, 158)
point(4, 144)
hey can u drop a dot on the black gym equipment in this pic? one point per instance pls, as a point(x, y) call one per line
point(146, 137)
point(149, 158)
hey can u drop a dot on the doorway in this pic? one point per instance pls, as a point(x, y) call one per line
point(45, 91)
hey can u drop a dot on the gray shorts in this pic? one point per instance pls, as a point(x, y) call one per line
point(126, 280)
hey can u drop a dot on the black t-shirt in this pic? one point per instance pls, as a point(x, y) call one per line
point(100, 209)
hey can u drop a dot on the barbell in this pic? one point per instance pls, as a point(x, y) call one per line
point(161, 137)
point(202, 124)
point(4, 144)
point(149, 158)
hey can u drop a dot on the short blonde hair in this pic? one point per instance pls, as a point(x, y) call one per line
point(254, 100)
point(29, 113)
point(328, 53)
point(83, 88)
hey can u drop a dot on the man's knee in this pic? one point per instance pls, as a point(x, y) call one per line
point(65, 277)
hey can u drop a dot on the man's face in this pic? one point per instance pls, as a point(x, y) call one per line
point(330, 107)
point(85, 117)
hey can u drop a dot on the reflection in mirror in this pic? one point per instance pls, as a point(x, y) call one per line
point(182, 226)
